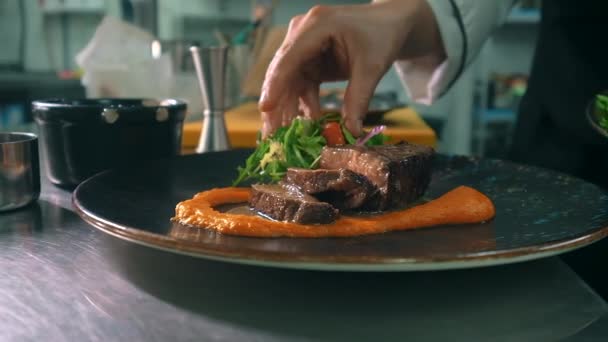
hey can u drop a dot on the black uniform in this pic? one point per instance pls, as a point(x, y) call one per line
point(570, 66)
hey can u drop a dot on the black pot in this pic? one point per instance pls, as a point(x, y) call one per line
point(80, 138)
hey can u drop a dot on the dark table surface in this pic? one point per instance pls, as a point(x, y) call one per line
point(62, 280)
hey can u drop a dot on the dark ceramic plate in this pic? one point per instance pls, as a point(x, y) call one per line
point(539, 213)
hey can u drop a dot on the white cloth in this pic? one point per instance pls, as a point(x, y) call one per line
point(464, 26)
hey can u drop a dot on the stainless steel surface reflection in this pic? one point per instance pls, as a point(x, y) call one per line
point(19, 170)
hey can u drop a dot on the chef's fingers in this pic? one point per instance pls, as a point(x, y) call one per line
point(309, 101)
point(361, 86)
point(271, 121)
point(290, 109)
point(306, 39)
point(269, 98)
point(283, 113)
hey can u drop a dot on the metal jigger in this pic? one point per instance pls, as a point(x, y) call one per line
point(210, 65)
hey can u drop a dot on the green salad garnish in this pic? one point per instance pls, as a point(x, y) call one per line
point(298, 145)
point(601, 102)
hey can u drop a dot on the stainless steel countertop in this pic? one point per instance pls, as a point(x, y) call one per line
point(62, 280)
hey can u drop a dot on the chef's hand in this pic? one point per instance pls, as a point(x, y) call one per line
point(356, 43)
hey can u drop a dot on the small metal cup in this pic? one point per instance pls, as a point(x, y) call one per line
point(19, 170)
point(210, 66)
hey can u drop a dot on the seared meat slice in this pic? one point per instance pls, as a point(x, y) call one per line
point(401, 172)
point(342, 188)
point(288, 203)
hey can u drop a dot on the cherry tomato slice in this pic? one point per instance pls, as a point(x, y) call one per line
point(333, 134)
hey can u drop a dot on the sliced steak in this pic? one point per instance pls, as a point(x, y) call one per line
point(401, 172)
point(343, 188)
point(288, 203)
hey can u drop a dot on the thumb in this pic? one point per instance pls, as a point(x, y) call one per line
point(359, 91)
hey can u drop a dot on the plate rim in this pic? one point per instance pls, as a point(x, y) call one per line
point(338, 263)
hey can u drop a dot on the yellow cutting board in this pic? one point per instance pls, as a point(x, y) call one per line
point(243, 123)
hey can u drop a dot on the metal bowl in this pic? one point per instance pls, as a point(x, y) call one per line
point(19, 170)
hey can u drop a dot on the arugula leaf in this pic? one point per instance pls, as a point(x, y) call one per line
point(350, 139)
point(378, 139)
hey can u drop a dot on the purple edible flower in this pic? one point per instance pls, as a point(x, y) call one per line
point(375, 131)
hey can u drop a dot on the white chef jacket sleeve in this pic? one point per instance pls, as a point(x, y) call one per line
point(464, 26)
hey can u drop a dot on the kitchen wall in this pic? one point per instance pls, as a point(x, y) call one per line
point(52, 36)
point(9, 29)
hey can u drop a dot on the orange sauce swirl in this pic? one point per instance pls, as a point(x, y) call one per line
point(459, 206)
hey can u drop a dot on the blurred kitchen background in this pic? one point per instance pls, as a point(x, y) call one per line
point(41, 39)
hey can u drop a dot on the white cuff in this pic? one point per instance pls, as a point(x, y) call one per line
point(464, 25)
